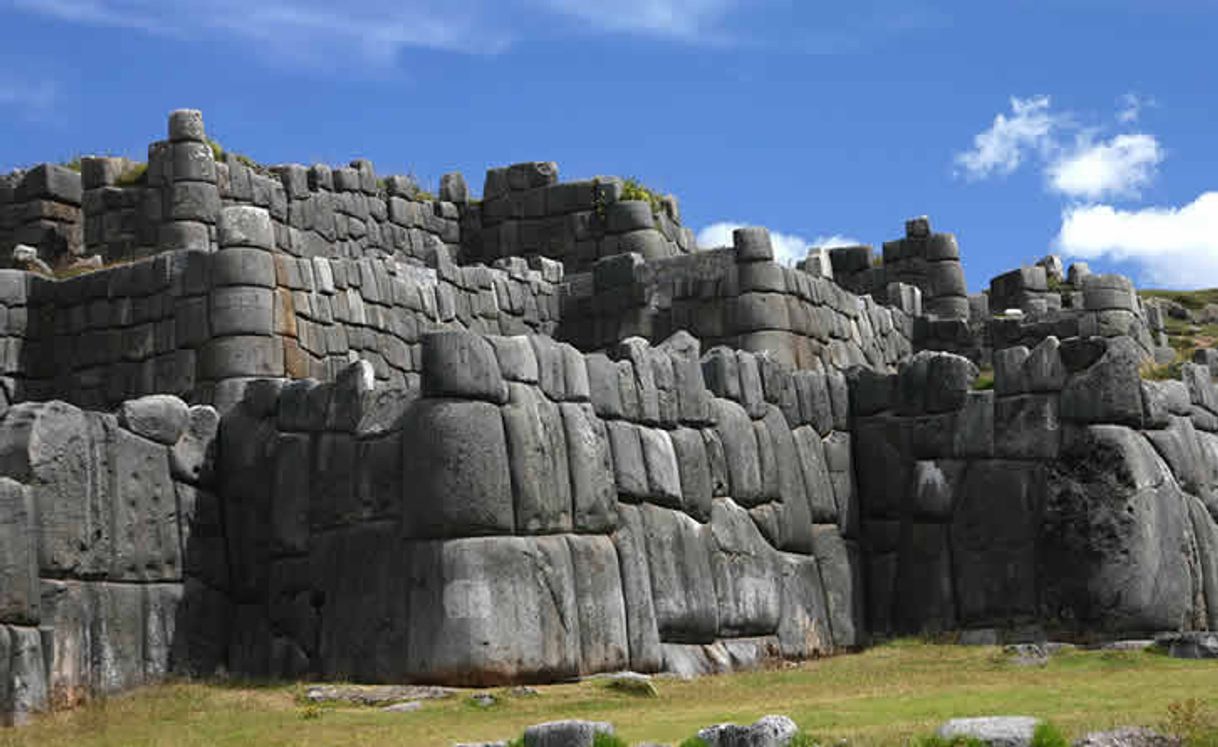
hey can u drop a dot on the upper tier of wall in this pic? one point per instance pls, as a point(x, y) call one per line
point(199, 323)
point(737, 297)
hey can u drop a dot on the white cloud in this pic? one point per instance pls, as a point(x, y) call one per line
point(316, 30)
point(788, 248)
point(690, 20)
point(1119, 167)
point(1175, 246)
point(1001, 149)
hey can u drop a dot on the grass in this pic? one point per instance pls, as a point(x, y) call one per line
point(633, 189)
point(984, 381)
point(1183, 336)
point(1192, 300)
point(883, 696)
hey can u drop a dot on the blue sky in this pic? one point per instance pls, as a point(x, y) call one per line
point(1085, 125)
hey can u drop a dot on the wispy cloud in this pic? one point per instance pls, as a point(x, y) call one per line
point(1119, 167)
point(1076, 161)
point(375, 31)
point(788, 248)
point(688, 20)
point(1176, 246)
point(999, 150)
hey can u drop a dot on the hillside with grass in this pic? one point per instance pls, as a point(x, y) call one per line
point(1191, 321)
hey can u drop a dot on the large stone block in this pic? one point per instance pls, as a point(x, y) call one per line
point(590, 464)
point(604, 640)
point(362, 573)
point(993, 535)
point(60, 453)
point(537, 460)
point(1108, 390)
point(26, 691)
point(746, 574)
point(682, 583)
point(663, 474)
point(1117, 549)
point(461, 364)
point(642, 629)
point(693, 465)
point(804, 629)
point(841, 572)
point(240, 356)
point(925, 599)
point(242, 310)
point(1026, 427)
point(456, 479)
point(19, 586)
point(512, 596)
point(158, 417)
point(146, 540)
point(735, 431)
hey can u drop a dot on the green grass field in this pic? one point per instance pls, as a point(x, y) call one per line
point(885, 695)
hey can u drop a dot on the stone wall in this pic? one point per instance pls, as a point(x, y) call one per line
point(198, 324)
point(926, 260)
point(107, 523)
point(1093, 306)
point(574, 513)
point(1073, 496)
point(41, 208)
point(526, 211)
point(737, 297)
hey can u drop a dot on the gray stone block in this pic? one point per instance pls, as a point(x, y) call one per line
point(841, 572)
point(604, 641)
point(516, 595)
point(1026, 427)
point(682, 582)
point(242, 310)
point(461, 364)
point(643, 631)
point(537, 461)
point(192, 454)
point(159, 417)
point(565, 733)
point(695, 472)
point(593, 496)
point(186, 124)
point(752, 244)
point(244, 266)
point(456, 479)
point(993, 533)
point(994, 731)
point(629, 215)
point(663, 475)
point(243, 355)
point(19, 585)
point(745, 571)
point(26, 673)
point(516, 359)
point(735, 432)
point(1109, 390)
point(768, 731)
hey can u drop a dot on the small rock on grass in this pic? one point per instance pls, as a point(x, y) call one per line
point(632, 683)
point(1128, 736)
point(996, 731)
point(409, 706)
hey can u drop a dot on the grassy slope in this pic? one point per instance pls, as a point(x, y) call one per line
point(882, 696)
point(1184, 337)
